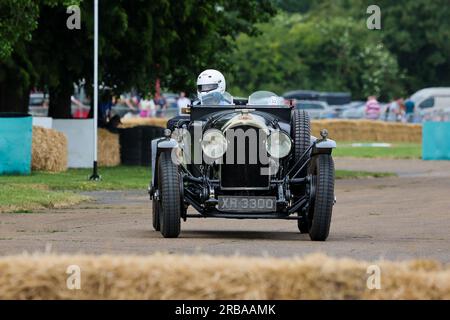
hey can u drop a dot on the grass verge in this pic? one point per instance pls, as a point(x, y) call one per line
point(396, 151)
point(24, 198)
point(114, 178)
point(55, 190)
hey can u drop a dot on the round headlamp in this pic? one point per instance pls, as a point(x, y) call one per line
point(214, 144)
point(278, 144)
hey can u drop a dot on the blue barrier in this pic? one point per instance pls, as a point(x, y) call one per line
point(436, 141)
point(15, 143)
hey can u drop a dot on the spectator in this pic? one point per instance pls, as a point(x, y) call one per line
point(161, 105)
point(182, 102)
point(393, 111)
point(105, 105)
point(80, 112)
point(373, 108)
point(401, 108)
point(388, 112)
point(147, 107)
point(409, 110)
point(132, 103)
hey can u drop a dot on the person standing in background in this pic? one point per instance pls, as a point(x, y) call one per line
point(409, 111)
point(402, 110)
point(161, 105)
point(394, 111)
point(182, 102)
point(373, 108)
point(105, 105)
point(147, 107)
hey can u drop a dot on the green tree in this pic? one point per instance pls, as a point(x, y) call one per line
point(203, 34)
point(416, 32)
point(293, 52)
point(18, 20)
point(292, 6)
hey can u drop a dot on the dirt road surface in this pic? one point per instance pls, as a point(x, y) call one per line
point(391, 218)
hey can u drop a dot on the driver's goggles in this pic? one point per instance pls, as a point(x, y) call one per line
point(207, 87)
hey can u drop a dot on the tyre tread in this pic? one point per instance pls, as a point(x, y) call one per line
point(323, 207)
point(170, 197)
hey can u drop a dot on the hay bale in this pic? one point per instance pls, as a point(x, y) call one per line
point(108, 148)
point(212, 277)
point(340, 129)
point(134, 122)
point(366, 130)
point(49, 150)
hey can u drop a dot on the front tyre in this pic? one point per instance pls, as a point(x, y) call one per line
point(320, 214)
point(301, 134)
point(169, 191)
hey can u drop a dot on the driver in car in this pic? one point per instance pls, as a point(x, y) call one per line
point(211, 88)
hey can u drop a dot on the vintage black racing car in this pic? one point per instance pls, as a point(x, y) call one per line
point(250, 159)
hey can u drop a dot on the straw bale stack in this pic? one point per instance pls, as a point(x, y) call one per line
point(134, 122)
point(164, 276)
point(339, 129)
point(108, 148)
point(49, 150)
point(365, 130)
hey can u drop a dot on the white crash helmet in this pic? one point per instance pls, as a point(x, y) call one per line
point(210, 81)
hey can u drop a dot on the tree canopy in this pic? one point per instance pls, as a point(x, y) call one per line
point(139, 41)
point(293, 52)
point(320, 44)
point(18, 19)
point(328, 47)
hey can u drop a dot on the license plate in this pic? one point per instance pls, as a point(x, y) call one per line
point(244, 203)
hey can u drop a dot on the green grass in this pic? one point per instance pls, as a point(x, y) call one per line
point(22, 194)
point(116, 178)
point(396, 151)
point(346, 174)
point(24, 198)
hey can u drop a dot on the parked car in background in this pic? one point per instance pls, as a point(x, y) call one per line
point(316, 109)
point(336, 98)
point(301, 95)
point(430, 101)
point(80, 107)
point(355, 110)
point(38, 104)
point(435, 114)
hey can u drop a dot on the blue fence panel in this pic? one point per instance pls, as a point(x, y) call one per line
point(15, 144)
point(436, 141)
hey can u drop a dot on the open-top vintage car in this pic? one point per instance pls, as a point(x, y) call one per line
point(250, 159)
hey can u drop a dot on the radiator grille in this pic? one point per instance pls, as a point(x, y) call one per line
point(247, 175)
